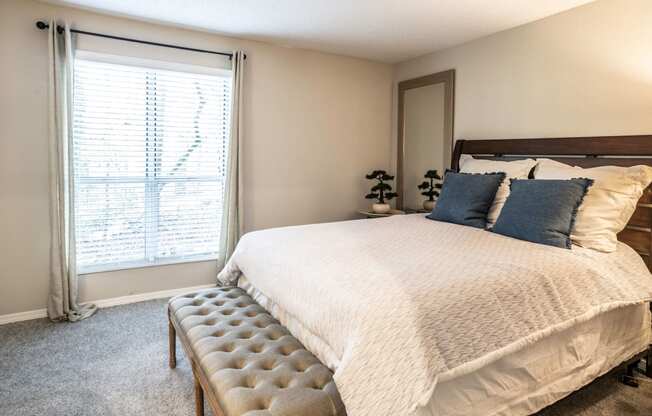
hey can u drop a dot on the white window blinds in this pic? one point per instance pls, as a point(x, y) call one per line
point(149, 164)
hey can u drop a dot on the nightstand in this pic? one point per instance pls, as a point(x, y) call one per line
point(371, 214)
point(416, 211)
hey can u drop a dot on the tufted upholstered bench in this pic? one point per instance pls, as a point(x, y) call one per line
point(246, 362)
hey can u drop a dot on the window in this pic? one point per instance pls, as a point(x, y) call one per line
point(149, 162)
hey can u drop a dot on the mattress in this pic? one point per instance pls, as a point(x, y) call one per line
point(404, 300)
point(527, 380)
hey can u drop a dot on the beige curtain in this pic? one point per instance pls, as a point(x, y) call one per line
point(232, 225)
point(62, 299)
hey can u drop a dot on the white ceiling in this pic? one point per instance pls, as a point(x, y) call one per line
point(382, 30)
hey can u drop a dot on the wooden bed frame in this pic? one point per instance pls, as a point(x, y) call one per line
point(585, 152)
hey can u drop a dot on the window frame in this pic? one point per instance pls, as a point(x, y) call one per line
point(149, 182)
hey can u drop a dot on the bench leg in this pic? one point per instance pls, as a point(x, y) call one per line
point(172, 344)
point(199, 397)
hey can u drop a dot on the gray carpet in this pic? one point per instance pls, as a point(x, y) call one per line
point(116, 364)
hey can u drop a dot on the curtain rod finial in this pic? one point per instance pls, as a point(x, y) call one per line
point(42, 25)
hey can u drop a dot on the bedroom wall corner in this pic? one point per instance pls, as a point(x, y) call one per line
point(315, 123)
point(586, 71)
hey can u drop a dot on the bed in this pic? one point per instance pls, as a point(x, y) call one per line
point(427, 318)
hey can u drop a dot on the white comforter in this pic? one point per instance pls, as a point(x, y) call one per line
point(400, 300)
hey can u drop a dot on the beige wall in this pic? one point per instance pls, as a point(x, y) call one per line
point(314, 125)
point(587, 71)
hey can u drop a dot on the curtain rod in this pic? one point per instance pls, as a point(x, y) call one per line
point(42, 25)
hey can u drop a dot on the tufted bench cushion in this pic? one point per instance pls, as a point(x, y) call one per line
point(252, 364)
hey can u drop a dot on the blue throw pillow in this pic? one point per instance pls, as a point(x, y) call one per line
point(465, 198)
point(542, 211)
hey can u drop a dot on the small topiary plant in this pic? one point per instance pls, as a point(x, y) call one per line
point(381, 191)
point(431, 188)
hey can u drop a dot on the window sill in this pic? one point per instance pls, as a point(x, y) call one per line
point(107, 268)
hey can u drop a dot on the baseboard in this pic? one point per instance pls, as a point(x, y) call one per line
point(23, 316)
point(123, 300)
point(105, 303)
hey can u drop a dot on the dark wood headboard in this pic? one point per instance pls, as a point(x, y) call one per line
point(585, 152)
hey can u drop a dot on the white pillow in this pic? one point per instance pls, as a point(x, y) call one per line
point(608, 204)
point(517, 169)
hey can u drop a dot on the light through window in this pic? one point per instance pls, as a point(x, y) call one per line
point(149, 159)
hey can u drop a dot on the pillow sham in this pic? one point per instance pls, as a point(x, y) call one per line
point(609, 203)
point(517, 169)
point(466, 198)
point(542, 211)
